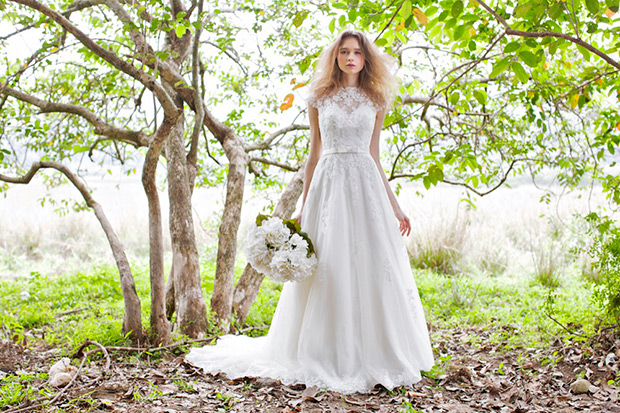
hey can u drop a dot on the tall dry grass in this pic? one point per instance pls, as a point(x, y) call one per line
point(508, 233)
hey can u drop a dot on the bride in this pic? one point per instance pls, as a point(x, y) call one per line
point(358, 321)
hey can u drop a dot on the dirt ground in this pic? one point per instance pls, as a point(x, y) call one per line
point(480, 377)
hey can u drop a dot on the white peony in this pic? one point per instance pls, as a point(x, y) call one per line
point(257, 252)
point(291, 262)
point(276, 233)
point(273, 251)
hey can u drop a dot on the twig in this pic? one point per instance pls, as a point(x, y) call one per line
point(168, 347)
point(77, 310)
point(75, 376)
point(389, 23)
point(101, 348)
point(576, 40)
point(563, 326)
point(250, 328)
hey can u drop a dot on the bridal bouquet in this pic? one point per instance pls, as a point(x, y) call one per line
point(279, 249)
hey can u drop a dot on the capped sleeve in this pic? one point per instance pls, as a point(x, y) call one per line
point(311, 99)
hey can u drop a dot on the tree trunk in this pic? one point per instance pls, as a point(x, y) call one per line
point(160, 326)
point(132, 319)
point(250, 281)
point(191, 311)
point(221, 301)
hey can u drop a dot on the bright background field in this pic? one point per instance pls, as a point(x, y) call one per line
point(501, 262)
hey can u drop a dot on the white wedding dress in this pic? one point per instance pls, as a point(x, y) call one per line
point(358, 321)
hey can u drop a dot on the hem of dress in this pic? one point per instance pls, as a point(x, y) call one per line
point(366, 385)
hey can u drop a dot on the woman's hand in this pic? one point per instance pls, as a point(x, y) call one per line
point(298, 217)
point(403, 222)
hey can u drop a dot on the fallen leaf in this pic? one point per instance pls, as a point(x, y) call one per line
point(580, 386)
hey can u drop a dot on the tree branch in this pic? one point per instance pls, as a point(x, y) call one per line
point(147, 80)
point(275, 163)
point(428, 100)
point(101, 127)
point(75, 6)
point(402, 151)
point(144, 15)
point(148, 56)
point(576, 40)
point(198, 119)
point(267, 142)
point(479, 193)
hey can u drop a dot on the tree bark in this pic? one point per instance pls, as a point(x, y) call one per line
point(251, 280)
point(221, 301)
point(160, 326)
point(191, 311)
point(170, 304)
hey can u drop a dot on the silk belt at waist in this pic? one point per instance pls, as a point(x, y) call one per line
point(343, 150)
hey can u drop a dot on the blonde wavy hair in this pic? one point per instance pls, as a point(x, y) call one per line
point(375, 79)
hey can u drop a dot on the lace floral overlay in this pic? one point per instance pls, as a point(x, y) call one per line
point(346, 119)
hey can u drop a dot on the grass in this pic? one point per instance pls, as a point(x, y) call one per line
point(439, 247)
point(513, 308)
point(15, 388)
point(66, 310)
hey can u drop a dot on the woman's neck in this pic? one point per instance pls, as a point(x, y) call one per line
point(350, 80)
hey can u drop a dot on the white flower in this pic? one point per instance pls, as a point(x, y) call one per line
point(257, 252)
point(291, 262)
point(272, 250)
point(276, 233)
point(24, 295)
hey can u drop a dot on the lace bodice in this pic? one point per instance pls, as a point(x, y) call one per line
point(346, 120)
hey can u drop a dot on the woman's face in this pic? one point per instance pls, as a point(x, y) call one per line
point(350, 56)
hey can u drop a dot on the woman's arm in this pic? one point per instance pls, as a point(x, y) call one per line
point(315, 154)
point(405, 225)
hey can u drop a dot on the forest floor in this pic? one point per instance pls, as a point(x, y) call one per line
point(473, 373)
point(502, 344)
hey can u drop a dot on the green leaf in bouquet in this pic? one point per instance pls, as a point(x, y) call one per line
point(260, 218)
point(292, 225)
point(309, 241)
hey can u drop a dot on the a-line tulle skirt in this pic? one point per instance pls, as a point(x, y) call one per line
point(358, 321)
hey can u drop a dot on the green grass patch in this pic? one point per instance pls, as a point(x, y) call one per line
point(18, 388)
point(513, 309)
point(66, 310)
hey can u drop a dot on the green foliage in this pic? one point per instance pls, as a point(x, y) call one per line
point(407, 407)
point(440, 367)
point(18, 388)
point(502, 104)
point(605, 252)
point(153, 393)
point(68, 309)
